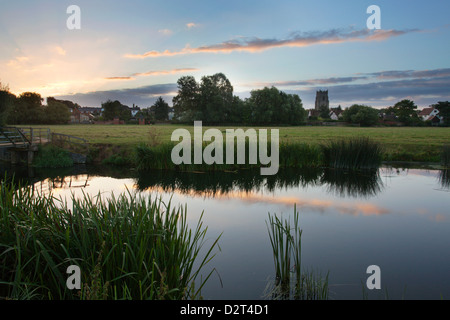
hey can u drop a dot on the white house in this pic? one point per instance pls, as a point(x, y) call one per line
point(429, 113)
point(336, 113)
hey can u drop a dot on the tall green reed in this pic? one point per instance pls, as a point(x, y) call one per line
point(292, 155)
point(126, 247)
point(291, 282)
point(352, 153)
point(445, 156)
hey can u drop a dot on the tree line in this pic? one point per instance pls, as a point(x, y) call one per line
point(212, 101)
point(27, 108)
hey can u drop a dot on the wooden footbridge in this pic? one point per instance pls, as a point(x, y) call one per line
point(17, 143)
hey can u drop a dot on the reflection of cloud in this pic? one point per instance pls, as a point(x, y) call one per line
point(353, 208)
point(299, 39)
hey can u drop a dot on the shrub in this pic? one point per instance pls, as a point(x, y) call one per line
point(50, 156)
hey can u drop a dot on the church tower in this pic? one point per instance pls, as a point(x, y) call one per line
point(322, 99)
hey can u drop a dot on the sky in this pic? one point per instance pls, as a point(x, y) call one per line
point(135, 51)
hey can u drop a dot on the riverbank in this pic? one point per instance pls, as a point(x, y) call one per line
point(115, 144)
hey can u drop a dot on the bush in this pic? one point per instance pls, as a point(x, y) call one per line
point(50, 156)
point(364, 115)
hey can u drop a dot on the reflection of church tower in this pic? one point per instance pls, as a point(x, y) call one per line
point(322, 99)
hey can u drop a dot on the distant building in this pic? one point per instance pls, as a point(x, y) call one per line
point(313, 114)
point(171, 113)
point(134, 110)
point(90, 110)
point(428, 113)
point(322, 100)
point(336, 113)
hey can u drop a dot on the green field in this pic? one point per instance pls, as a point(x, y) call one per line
point(399, 143)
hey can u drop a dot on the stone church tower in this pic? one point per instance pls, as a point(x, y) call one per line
point(322, 99)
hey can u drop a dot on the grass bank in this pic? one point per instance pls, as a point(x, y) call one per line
point(415, 144)
point(127, 247)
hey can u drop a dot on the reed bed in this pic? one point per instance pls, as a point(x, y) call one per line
point(127, 247)
point(352, 153)
point(293, 155)
point(445, 156)
point(291, 282)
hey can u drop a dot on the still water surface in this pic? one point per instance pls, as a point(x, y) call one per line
point(396, 218)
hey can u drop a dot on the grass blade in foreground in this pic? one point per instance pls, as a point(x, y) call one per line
point(129, 247)
point(291, 282)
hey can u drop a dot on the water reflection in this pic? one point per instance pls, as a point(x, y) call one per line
point(341, 183)
point(444, 178)
point(350, 220)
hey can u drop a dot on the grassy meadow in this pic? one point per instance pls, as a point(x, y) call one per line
point(398, 143)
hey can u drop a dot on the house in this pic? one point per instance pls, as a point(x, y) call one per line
point(134, 110)
point(435, 120)
point(82, 115)
point(91, 110)
point(428, 113)
point(171, 113)
point(336, 113)
point(313, 114)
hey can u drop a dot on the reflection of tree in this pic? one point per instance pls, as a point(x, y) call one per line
point(352, 184)
point(343, 183)
point(444, 178)
point(224, 182)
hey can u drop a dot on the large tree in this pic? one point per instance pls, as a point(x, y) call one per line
point(56, 112)
point(7, 101)
point(27, 109)
point(161, 109)
point(185, 103)
point(272, 106)
point(361, 114)
point(216, 98)
point(114, 109)
point(406, 112)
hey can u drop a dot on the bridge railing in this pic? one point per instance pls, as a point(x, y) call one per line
point(12, 136)
point(37, 135)
point(76, 144)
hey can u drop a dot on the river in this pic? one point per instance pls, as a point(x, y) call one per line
point(396, 218)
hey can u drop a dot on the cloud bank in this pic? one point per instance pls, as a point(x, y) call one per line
point(378, 89)
point(297, 39)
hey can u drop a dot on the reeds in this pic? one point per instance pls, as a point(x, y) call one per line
point(127, 247)
point(292, 155)
point(50, 156)
point(352, 153)
point(290, 281)
point(445, 156)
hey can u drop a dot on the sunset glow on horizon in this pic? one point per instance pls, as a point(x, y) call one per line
point(134, 52)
